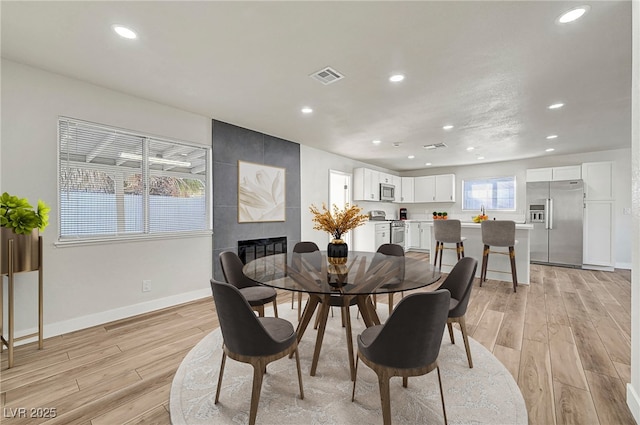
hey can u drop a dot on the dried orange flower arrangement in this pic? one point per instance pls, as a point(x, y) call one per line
point(338, 222)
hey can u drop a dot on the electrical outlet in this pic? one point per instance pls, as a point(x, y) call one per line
point(146, 286)
point(626, 211)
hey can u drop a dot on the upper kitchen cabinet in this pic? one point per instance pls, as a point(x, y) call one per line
point(366, 184)
point(445, 188)
point(407, 189)
point(424, 189)
point(440, 188)
point(569, 172)
point(598, 181)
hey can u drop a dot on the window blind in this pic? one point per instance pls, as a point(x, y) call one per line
point(115, 183)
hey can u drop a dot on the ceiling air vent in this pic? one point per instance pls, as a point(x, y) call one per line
point(435, 146)
point(327, 75)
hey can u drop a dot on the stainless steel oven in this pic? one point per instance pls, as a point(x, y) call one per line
point(397, 233)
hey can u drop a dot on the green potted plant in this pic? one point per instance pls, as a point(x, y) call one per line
point(439, 216)
point(20, 222)
point(435, 215)
point(444, 215)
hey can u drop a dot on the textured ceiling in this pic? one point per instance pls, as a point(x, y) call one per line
point(489, 68)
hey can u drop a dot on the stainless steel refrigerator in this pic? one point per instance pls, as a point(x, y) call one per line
point(556, 211)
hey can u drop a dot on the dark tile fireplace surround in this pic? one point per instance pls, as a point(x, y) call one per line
point(251, 249)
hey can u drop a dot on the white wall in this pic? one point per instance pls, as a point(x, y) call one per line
point(91, 284)
point(633, 389)
point(622, 169)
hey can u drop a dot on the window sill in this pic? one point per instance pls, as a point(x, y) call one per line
point(132, 238)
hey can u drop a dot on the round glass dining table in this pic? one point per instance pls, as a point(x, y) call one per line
point(334, 282)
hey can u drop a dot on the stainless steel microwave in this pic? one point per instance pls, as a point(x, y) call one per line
point(387, 192)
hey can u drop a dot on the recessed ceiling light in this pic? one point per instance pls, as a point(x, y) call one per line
point(556, 105)
point(480, 157)
point(427, 163)
point(470, 148)
point(396, 78)
point(411, 156)
point(396, 144)
point(447, 127)
point(306, 110)
point(549, 150)
point(573, 14)
point(552, 136)
point(124, 32)
point(376, 142)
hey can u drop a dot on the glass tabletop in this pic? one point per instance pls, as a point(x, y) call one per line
point(362, 273)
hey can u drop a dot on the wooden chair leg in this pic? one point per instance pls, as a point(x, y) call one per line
point(355, 376)
point(258, 368)
point(292, 296)
point(275, 308)
point(299, 373)
point(450, 327)
point(299, 305)
point(435, 254)
point(385, 397)
point(444, 410)
point(441, 252)
point(462, 249)
point(458, 251)
point(405, 381)
point(224, 357)
point(514, 275)
point(390, 302)
point(259, 309)
point(465, 338)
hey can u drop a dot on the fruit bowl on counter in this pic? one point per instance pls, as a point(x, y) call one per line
point(480, 218)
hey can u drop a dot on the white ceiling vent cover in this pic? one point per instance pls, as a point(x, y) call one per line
point(327, 75)
point(435, 146)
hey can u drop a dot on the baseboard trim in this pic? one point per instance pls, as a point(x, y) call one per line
point(78, 323)
point(633, 401)
point(594, 267)
point(624, 266)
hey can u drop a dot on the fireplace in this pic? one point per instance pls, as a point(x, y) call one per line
point(249, 250)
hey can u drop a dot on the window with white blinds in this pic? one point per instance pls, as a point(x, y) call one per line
point(117, 184)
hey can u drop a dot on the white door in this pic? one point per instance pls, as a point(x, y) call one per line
point(340, 194)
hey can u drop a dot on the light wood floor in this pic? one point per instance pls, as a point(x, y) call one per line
point(565, 339)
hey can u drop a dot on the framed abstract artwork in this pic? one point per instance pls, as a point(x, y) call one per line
point(261, 193)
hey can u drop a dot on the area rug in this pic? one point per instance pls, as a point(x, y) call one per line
point(486, 394)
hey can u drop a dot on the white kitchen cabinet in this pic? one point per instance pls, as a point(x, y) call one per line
point(366, 184)
point(382, 235)
point(424, 189)
point(385, 178)
point(440, 188)
point(539, 175)
point(425, 236)
point(419, 235)
point(598, 249)
point(598, 181)
point(569, 172)
point(445, 188)
point(406, 191)
point(413, 240)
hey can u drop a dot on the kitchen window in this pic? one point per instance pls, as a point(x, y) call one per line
point(495, 193)
point(117, 184)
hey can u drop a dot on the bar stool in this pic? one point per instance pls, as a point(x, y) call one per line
point(447, 231)
point(499, 233)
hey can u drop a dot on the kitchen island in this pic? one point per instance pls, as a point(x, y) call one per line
point(499, 267)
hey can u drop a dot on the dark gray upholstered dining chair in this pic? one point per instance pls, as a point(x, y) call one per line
point(499, 233)
point(256, 295)
point(447, 231)
point(305, 247)
point(392, 250)
point(459, 283)
point(250, 339)
point(406, 345)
